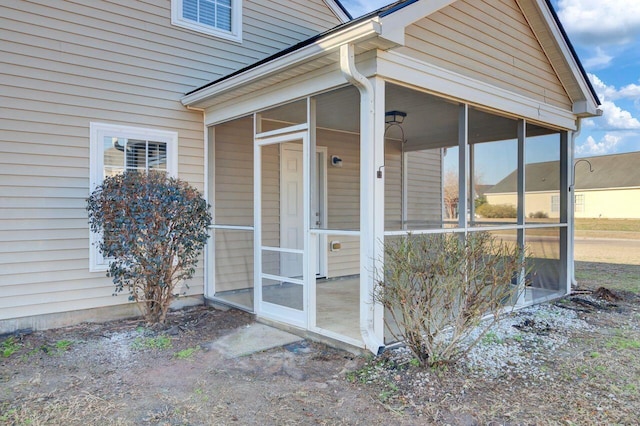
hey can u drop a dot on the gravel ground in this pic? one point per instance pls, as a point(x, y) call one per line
point(575, 361)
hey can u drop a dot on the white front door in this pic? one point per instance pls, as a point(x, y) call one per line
point(292, 205)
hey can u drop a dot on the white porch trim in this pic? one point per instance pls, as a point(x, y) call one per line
point(402, 68)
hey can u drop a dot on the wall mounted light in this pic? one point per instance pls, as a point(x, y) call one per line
point(336, 161)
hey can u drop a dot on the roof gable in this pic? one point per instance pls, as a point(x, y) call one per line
point(489, 41)
point(387, 25)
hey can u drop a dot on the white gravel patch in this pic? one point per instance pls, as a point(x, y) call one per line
point(518, 344)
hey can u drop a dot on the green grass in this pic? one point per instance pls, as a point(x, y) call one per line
point(186, 353)
point(609, 275)
point(159, 342)
point(9, 346)
point(621, 343)
point(616, 225)
point(491, 338)
point(63, 345)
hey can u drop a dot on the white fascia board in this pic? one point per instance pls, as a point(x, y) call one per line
point(337, 10)
point(586, 109)
point(589, 106)
point(401, 68)
point(393, 24)
point(317, 81)
point(333, 41)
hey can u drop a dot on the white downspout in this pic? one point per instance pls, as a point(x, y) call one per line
point(369, 311)
point(571, 201)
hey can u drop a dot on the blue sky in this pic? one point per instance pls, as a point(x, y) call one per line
point(606, 36)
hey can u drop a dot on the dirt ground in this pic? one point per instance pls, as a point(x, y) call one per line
point(122, 373)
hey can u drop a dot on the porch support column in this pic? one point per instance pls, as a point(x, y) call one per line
point(566, 213)
point(371, 196)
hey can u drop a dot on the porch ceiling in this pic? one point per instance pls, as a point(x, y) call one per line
point(431, 122)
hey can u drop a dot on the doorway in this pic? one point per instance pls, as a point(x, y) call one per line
point(292, 205)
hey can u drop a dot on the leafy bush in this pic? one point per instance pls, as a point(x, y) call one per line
point(437, 288)
point(154, 228)
point(538, 215)
point(492, 211)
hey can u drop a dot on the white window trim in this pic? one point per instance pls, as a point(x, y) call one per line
point(236, 22)
point(97, 132)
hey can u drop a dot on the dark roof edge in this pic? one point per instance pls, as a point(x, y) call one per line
point(573, 51)
point(383, 11)
point(395, 7)
point(344, 9)
point(281, 53)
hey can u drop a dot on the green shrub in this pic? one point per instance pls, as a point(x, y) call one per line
point(154, 228)
point(494, 211)
point(538, 215)
point(437, 288)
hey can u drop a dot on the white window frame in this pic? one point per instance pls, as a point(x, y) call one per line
point(235, 34)
point(98, 131)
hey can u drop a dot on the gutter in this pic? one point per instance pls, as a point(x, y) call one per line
point(367, 130)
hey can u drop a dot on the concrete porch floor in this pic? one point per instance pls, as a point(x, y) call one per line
point(337, 300)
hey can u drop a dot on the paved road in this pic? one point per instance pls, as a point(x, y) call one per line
point(607, 250)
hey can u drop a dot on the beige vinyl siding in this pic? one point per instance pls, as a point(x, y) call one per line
point(233, 204)
point(392, 185)
point(343, 200)
point(424, 188)
point(490, 41)
point(64, 64)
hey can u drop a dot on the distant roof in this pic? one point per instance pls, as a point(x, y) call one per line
point(381, 12)
point(609, 171)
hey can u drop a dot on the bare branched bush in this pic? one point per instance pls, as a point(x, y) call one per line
point(438, 288)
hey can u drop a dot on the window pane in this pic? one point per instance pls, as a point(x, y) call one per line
point(451, 186)
point(234, 266)
point(135, 155)
point(421, 160)
point(113, 152)
point(494, 162)
point(342, 160)
point(542, 175)
point(207, 13)
point(283, 293)
point(224, 17)
point(543, 263)
point(282, 116)
point(231, 177)
point(190, 9)
point(157, 153)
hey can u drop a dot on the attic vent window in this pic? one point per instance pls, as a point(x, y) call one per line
point(219, 18)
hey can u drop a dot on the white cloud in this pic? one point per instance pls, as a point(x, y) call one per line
point(607, 145)
point(615, 118)
point(600, 60)
point(601, 22)
point(604, 91)
point(630, 91)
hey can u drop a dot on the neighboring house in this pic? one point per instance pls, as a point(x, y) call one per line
point(606, 186)
point(302, 154)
